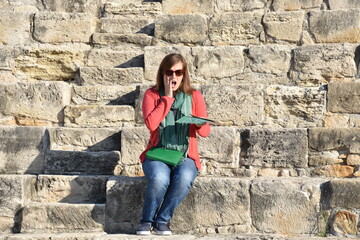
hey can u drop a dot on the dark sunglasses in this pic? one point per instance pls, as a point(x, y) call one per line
point(171, 72)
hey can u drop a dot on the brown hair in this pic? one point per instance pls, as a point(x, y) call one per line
point(169, 61)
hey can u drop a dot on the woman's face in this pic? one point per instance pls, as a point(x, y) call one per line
point(174, 75)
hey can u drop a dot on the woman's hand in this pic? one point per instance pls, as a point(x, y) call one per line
point(167, 86)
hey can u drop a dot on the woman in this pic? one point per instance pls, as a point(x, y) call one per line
point(171, 98)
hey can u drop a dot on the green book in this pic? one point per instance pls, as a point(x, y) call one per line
point(196, 120)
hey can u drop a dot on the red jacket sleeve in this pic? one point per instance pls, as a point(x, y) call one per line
point(200, 111)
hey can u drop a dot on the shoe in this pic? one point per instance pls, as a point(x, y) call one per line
point(162, 229)
point(144, 229)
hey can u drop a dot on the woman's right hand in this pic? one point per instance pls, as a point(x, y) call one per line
point(167, 86)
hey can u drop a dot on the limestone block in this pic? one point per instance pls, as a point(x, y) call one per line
point(111, 39)
point(279, 5)
point(279, 148)
point(40, 100)
point(344, 193)
point(218, 62)
point(154, 56)
point(327, 139)
point(344, 97)
point(133, 143)
point(184, 28)
point(126, 25)
point(109, 76)
point(324, 158)
point(332, 120)
point(230, 104)
point(344, 223)
point(98, 116)
point(132, 9)
point(57, 217)
point(89, 139)
point(6, 56)
point(281, 205)
point(82, 163)
point(49, 62)
point(22, 149)
point(235, 28)
point(79, 6)
point(14, 27)
point(345, 4)
point(284, 26)
point(355, 147)
point(69, 189)
point(187, 7)
point(239, 5)
point(51, 27)
point(353, 159)
point(123, 58)
point(229, 196)
point(107, 95)
point(338, 171)
point(294, 106)
point(344, 27)
point(316, 64)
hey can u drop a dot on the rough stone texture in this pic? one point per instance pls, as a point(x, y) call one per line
point(344, 97)
point(89, 139)
point(133, 143)
point(239, 5)
point(84, 163)
point(344, 193)
point(345, 4)
point(294, 106)
point(59, 27)
point(106, 39)
point(188, 7)
point(69, 189)
point(293, 205)
point(334, 171)
point(344, 223)
point(123, 58)
point(126, 25)
point(233, 107)
point(22, 149)
point(187, 28)
point(235, 28)
point(274, 147)
point(324, 158)
point(284, 26)
point(6, 55)
point(98, 116)
point(55, 217)
point(132, 9)
point(109, 76)
point(41, 100)
point(49, 62)
point(344, 27)
point(14, 27)
point(77, 6)
point(279, 5)
point(106, 95)
point(316, 64)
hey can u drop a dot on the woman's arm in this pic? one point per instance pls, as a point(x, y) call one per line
point(200, 111)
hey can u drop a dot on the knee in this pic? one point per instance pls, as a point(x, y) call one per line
point(185, 180)
point(159, 179)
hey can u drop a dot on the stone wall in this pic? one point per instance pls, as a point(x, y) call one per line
point(281, 77)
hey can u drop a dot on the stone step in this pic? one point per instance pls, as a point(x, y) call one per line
point(132, 9)
point(121, 57)
point(68, 189)
point(138, 39)
point(61, 218)
point(81, 163)
point(126, 25)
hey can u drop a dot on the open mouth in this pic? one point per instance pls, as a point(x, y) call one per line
point(173, 83)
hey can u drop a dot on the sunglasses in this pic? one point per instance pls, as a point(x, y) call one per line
point(171, 72)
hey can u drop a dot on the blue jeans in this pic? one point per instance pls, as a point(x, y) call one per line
point(166, 188)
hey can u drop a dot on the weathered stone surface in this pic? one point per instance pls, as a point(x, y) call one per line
point(235, 28)
point(123, 58)
point(230, 196)
point(344, 223)
point(218, 62)
point(58, 217)
point(345, 4)
point(344, 97)
point(49, 62)
point(109, 76)
point(344, 193)
point(232, 107)
point(6, 55)
point(274, 147)
point(315, 64)
point(239, 5)
point(338, 171)
point(41, 100)
point(295, 5)
point(85, 163)
point(188, 7)
point(79, 6)
point(332, 120)
point(22, 149)
point(69, 189)
point(14, 27)
point(111, 39)
point(294, 106)
point(98, 116)
point(344, 27)
point(185, 28)
point(324, 158)
point(126, 25)
point(284, 26)
point(107, 95)
point(133, 9)
point(55, 28)
point(133, 143)
point(353, 159)
point(89, 139)
point(287, 202)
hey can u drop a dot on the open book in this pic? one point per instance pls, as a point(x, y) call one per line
point(196, 120)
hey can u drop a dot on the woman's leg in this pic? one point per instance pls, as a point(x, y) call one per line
point(158, 178)
point(182, 179)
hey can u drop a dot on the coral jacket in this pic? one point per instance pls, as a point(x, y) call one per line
point(155, 109)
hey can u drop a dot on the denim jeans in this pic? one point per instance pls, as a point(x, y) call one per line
point(166, 188)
